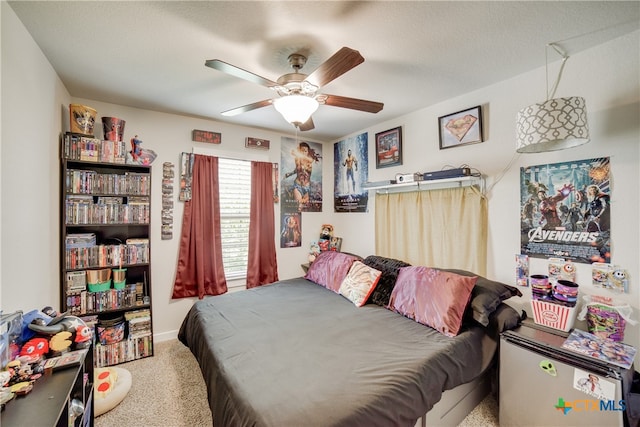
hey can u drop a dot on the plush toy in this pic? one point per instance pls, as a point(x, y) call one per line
point(568, 272)
point(619, 280)
point(324, 245)
point(111, 386)
point(60, 342)
point(58, 324)
point(104, 380)
point(83, 337)
point(30, 319)
point(314, 251)
point(600, 274)
point(35, 347)
point(23, 369)
point(326, 232)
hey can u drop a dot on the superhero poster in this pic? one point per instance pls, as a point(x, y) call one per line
point(291, 230)
point(301, 169)
point(351, 170)
point(566, 210)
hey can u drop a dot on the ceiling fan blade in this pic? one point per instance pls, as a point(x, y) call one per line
point(247, 107)
point(342, 61)
point(308, 125)
point(353, 103)
point(216, 64)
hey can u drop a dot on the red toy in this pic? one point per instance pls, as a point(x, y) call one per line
point(35, 347)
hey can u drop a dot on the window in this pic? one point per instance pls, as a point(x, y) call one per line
point(234, 178)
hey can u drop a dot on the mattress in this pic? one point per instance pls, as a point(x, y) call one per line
point(294, 353)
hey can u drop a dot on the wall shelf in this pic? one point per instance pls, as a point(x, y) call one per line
point(386, 187)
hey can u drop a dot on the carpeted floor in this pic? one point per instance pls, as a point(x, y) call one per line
point(167, 390)
point(483, 415)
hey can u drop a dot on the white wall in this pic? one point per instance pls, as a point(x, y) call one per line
point(35, 112)
point(607, 76)
point(32, 99)
point(169, 135)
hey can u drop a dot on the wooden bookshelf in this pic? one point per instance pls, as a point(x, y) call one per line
point(106, 230)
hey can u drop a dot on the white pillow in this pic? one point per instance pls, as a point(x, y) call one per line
point(359, 283)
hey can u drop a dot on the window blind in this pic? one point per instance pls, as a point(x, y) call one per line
point(235, 202)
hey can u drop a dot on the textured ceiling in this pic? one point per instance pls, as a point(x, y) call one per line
point(151, 55)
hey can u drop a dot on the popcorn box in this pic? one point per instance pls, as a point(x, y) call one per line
point(554, 316)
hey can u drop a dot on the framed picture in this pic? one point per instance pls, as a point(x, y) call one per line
point(257, 143)
point(389, 148)
point(206, 136)
point(463, 127)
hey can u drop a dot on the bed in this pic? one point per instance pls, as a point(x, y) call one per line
point(297, 352)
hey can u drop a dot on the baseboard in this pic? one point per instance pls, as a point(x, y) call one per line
point(165, 336)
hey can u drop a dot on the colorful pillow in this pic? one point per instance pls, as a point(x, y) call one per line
point(359, 283)
point(432, 297)
point(330, 268)
point(487, 296)
point(389, 268)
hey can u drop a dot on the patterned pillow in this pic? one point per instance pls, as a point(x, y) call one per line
point(389, 268)
point(359, 283)
point(432, 297)
point(486, 296)
point(330, 268)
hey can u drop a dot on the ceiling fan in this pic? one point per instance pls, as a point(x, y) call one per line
point(298, 92)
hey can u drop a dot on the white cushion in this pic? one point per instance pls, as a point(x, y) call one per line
point(110, 387)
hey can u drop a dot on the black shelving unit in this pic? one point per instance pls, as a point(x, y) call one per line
point(105, 226)
point(60, 398)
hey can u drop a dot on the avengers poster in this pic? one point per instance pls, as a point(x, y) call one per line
point(566, 210)
point(351, 170)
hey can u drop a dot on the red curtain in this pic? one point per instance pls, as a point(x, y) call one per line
point(262, 266)
point(200, 270)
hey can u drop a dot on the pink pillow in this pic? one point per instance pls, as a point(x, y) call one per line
point(359, 283)
point(432, 297)
point(330, 268)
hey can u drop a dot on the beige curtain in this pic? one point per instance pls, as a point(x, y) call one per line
point(437, 228)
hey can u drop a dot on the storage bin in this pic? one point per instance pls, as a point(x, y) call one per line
point(111, 331)
point(100, 286)
point(554, 316)
point(82, 118)
point(113, 128)
point(119, 278)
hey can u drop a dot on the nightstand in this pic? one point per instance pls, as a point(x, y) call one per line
point(540, 382)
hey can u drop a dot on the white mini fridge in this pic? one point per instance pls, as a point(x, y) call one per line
point(542, 384)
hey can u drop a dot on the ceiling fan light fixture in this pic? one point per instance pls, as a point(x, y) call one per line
point(296, 109)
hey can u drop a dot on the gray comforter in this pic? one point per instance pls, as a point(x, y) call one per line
point(296, 354)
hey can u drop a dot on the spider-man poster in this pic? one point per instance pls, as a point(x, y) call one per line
point(566, 210)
